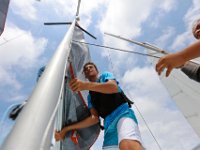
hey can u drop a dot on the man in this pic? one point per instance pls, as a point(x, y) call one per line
point(179, 59)
point(106, 100)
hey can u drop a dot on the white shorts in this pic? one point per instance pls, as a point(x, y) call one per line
point(128, 129)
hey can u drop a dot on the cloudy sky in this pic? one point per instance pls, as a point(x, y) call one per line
point(27, 44)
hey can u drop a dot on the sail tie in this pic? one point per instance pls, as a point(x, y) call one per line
point(74, 137)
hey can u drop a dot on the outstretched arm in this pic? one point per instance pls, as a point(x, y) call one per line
point(178, 59)
point(108, 87)
point(93, 119)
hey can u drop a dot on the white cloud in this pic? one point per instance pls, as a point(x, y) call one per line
point(20, 52)
point(118, 60)
point(122, 17)
point(186, 38)
point(125, 18)
point(59, 10)
point(182, 41)
point(67, 9)
point(192, 14)
point(23, 51)
point(7, 78)
point(160, 10)
point(25, 9)
point(166, 35)
point(168, 5)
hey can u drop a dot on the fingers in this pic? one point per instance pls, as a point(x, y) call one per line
point(160, 69)
point(73, 81)
point(57, 136)
point(160, 66)
point(169, 69)
point(74, 84)
point(77, 85)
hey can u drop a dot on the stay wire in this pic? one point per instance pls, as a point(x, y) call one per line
point(117, 49)
point(9, 40)
point(109, 59)
point(38, 29)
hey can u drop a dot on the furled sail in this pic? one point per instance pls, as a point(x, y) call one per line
point(73, 107)
point(3, 13)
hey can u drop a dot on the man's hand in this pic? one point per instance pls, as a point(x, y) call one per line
point(169, 62)
point(60, 135)
point(77, 85)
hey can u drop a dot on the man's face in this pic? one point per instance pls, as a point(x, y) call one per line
point(196, 31)
point(90, 71)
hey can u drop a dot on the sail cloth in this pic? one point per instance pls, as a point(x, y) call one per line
point(184, 91)
point(73, 106)
point(3, 13)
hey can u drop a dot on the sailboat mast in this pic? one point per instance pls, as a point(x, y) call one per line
point(30, 126)
point(78, 7)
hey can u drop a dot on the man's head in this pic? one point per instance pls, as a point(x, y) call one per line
point(196, 29)
point(91, 72)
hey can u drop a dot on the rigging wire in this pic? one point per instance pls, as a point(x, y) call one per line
point(113, 72)
point(117, 49)
point(38, 29)
point(16, 37)
point(109, 58)
point(148, 127)
point(143, 44)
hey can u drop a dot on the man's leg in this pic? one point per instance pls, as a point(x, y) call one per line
point(130, 145)
point(129, 137)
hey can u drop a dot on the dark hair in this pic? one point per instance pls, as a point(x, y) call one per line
point(90, 63)
point(194, 26)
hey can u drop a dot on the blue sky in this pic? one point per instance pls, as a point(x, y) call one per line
point(27, 44)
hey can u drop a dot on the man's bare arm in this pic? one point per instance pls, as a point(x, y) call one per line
point(108, 87)
point(91, 120)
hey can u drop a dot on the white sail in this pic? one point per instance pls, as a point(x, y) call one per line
point(185, 92)
point(33, 121)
